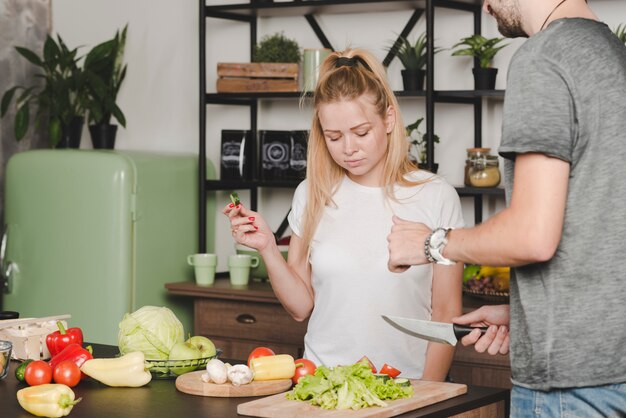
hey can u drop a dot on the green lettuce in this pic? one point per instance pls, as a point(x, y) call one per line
point(347, 387)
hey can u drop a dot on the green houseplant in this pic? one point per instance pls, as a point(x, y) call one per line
point(620, 32)
point(59, 100)
point(413, 58)
point(484, 50)
point(104, 73)
point(419, 145)
point(277, 48)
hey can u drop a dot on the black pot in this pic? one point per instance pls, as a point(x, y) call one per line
point(485, 78)
point(103, 135)
point(70, 134)
point(413, 80)
point(432, 169)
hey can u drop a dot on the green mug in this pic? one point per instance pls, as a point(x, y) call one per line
point(239, 268)
point(259, 272)
point(204, 268)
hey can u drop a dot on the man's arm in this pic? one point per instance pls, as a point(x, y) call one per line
point(527, 231)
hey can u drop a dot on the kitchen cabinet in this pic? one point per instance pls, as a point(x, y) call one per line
point(240, 319)
point(251, 12)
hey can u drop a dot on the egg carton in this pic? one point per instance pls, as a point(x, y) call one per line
point(28, 335)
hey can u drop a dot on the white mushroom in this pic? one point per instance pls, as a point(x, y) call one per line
point(240, 374)
point(216, 369)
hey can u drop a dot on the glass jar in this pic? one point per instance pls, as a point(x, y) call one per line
point(484, 172)
point(473, 154)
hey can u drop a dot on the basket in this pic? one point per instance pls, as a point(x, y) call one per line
point(28, 336)
point(171, 369)
point(489, 295)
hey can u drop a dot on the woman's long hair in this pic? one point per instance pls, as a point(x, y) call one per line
point(349, 75)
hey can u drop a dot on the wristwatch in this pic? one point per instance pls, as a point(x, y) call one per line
point(434, 245)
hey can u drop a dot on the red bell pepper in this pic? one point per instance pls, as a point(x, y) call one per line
point(74, 353)
point(58, 340)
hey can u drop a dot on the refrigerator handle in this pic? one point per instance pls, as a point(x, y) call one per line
point(3, 245)
point(6, 271)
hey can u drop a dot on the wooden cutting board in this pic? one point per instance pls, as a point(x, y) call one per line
point(426, 393)
point(192, 383)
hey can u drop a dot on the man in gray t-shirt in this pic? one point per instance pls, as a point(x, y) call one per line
point(564, 230)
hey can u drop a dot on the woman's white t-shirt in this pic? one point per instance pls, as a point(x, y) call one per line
point(352, 284)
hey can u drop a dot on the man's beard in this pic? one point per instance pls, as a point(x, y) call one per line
point(509, 26)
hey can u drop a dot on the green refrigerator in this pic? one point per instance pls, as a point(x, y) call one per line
point(97, 234)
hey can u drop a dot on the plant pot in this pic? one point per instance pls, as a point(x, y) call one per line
point(433, 169)
point(485, 78)
point(103, 135)
point(70, 134)
point(413, 80)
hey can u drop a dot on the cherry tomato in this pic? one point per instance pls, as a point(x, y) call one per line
point(67, 373)
point(303, 367)
point(260, 352)
point(389, 371)
point(364, 358)
point(38, 373)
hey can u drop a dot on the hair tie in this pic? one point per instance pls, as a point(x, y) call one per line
point(345, 61)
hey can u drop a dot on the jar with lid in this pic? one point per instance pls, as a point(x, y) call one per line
point(473, 154)
point(484, 172)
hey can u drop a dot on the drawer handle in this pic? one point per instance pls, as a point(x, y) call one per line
point(246, 319)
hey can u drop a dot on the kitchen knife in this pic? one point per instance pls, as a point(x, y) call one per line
point(438, 332)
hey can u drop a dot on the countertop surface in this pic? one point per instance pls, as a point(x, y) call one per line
point(160, 398)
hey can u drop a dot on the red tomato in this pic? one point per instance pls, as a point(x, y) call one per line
point(303, 367)
point(364, 358)
point(260, 352)
point(389, 371)
point(38, 373)
point(67, 373)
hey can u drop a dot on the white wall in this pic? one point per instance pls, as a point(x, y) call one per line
point(160, 94)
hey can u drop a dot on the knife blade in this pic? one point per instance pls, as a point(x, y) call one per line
point(439, 332)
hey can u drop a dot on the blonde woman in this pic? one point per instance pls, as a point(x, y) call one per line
point(358, 178)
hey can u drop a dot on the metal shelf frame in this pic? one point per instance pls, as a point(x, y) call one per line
point(250, 12)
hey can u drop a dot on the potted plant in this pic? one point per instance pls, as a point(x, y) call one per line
point(413, 58)
point(620, 32)
point(276, 48)
point(484, 50)
point(418, 149)
point(59, 99)
point(104, 74)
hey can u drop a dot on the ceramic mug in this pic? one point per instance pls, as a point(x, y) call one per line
point(204, 268)
point(259, 272)
point(239, 268)
point(313, 58)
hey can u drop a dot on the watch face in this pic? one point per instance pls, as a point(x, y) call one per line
point(438, 239)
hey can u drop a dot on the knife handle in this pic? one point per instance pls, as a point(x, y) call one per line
point(461, 331)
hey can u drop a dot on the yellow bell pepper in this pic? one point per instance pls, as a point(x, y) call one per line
point(280, 366)
point(128, 370)
point(51, 400)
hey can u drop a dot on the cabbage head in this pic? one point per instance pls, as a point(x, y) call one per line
point(152, 330)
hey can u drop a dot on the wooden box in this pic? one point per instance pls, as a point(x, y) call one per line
point(257, 77)
point(28, 335)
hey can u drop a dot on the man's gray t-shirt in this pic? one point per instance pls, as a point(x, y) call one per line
point(566, 98)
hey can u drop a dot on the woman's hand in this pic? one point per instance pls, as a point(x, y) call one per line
point(248, 227)
point(496, 339)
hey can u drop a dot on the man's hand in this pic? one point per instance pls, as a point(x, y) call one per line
point(496, 339)
point(406, 244)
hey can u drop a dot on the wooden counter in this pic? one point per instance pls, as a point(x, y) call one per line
point(240, 319)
